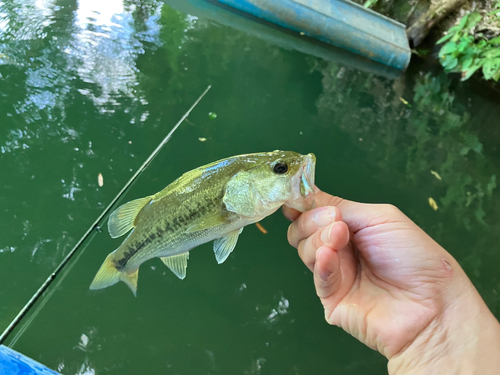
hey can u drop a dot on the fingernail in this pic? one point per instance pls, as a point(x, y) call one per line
point(325, 233)
point(325, 217)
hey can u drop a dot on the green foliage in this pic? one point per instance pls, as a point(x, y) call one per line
point(369, 3)
point(466, 54)
point(452, 149)
point(405, 143)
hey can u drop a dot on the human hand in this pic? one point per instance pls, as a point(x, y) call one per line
point(386, 282)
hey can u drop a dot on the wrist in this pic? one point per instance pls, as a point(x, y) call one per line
point(463, 339)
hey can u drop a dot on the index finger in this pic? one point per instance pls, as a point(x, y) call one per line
point(356, 215)
point(321, 199)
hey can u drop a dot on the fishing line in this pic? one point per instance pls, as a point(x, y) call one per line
point(95, 225)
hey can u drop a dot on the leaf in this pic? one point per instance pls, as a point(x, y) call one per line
point(496, 76)
point(463, 21)
point(447, 49)
point(468, 38)
point(261, 228)
point(445, 38)
point(456, 37)
point(464, 151)
point(490, 67)
point(462, 46)
point(433, 204)
point(489, 53)
point(421, 52)
point(467, 63)
point(369, 3)
point(467, 74)
point(495, 40)
point(470, 199)
point(450, 63)
point(480, 214)
point(453, 120)
point(473, 20)
point(435, 174)
point(471, 143)
point(212, 115)
point(491, 185)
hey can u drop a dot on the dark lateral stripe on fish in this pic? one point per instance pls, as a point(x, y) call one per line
point(121, 263)
point(176, 223)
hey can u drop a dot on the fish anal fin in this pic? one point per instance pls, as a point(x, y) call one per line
point(225, 245)
point(123, 218)
point(177, 264)
point(108, 275)
point(207, 223)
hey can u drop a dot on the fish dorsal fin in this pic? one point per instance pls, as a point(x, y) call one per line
point(225, 245)
point(123, 218)
point(177, 264)
point(240, 196)
point(206, 223)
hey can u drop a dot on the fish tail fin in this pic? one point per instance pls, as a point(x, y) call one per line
point(108, 275)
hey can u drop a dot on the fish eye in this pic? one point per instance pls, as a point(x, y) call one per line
point(280, 167)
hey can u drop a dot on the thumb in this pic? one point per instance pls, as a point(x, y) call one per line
point(333, 250)
point(335, 269)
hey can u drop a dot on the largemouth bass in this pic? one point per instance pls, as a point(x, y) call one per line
point(212, 202)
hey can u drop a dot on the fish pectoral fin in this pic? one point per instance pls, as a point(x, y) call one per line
point(108, 275)
point(225, 245)
point(123, 218)
point(240, 196)
point(206, 223)
point(177, 264)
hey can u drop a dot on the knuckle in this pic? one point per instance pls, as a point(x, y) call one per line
point(334, 201)
point(306, 219)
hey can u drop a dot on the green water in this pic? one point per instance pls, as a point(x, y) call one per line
point(92, 87)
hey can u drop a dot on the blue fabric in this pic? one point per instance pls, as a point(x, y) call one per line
point(14, 363)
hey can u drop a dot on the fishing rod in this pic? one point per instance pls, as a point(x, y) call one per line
point(95, 225)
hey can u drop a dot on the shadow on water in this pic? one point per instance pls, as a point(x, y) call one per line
point(89, 88)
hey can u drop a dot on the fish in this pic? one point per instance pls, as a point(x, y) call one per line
point(210, 203)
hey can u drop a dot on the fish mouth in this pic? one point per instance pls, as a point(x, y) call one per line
point(307, 177)
point(302, 189)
